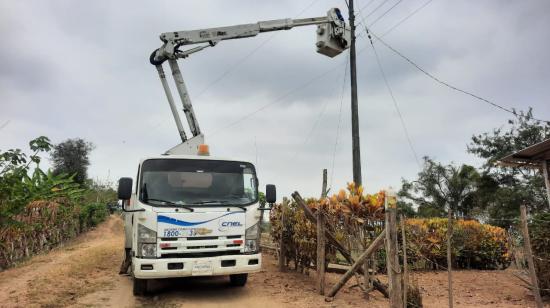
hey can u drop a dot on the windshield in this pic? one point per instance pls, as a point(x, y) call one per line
point(169, 182)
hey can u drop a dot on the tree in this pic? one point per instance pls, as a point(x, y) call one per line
point(19, 184)
point(439, 186)
point(72, 157)
point(505, 188)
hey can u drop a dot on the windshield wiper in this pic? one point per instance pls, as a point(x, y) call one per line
point(171, 203)
point(211, 202)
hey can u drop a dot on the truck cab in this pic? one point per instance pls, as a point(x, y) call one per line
point(190, 215)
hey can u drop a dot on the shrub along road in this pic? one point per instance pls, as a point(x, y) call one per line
point(83, 273)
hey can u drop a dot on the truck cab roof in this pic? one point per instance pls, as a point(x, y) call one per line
point(195, 157)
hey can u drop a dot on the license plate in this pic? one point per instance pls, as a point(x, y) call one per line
point(202, 268)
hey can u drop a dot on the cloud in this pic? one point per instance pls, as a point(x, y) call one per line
point(80, 69)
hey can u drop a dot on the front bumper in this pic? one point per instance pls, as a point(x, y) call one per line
point(165, 268)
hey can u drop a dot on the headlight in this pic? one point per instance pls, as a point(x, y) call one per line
point(148, 250)
point(251, 246)
point(146, 235)
point(147, 242)
point(253, 233)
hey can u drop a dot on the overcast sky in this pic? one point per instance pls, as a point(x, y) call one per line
point(80, 69)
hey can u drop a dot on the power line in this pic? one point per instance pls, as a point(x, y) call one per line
point(376, 8)
point(395, 105)
point(310, 133)
point(248, 55)
point(409, 140)
point(512, 111)
point(277, 100)
point(339, 122)
point(280, 98)
point(366, 5)
point(402, 20)
point(386, 12)
point(406, 18)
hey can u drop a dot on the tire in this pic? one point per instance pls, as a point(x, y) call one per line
point(140, 287)
point(238, 280)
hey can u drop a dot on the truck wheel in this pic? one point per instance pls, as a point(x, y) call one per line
point(140, 286)
point(238, 280)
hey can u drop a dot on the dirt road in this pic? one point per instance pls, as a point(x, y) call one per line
point(83, 273)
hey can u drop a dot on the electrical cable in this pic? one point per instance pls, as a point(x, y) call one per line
point(310, 133)
point(407, 135)
point(403, 125)
point(277, 100)
point(401, 21)
point(406, 18)
point(339, 122)
point(376, 8)
point(248, 55)
point(385, 13)
point(366, 5)
point(444, 83)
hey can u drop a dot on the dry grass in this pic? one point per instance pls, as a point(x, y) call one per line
point(85, 272)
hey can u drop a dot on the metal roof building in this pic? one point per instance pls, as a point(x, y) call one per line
point(536, 156)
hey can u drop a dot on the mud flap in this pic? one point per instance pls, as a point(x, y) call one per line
point(126, 262)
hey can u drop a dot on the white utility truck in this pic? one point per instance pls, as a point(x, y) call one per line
point(190, 214)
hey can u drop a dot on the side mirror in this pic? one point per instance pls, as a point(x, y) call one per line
point(124, 188)
point(270, 193)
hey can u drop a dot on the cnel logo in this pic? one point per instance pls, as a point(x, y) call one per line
point(224, 225)
point(231, 224)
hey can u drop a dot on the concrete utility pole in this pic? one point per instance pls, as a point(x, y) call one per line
point(356, 150)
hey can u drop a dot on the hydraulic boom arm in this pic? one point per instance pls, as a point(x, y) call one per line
point(332, 38)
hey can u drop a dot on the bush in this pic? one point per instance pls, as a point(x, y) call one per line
point(39, 227)
point(474, 245)
point(354, 217)
point(539, 231)
point(43, 225)
point(92, 214)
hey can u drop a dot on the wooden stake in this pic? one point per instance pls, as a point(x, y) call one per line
point(449, 261)
point(529, 255)
point(377, 243)
point(366, 277)
point(321, 251)
point(545, 171)
point(405, 264)
point(392, 256)
point(324, 188)
point(282, 246)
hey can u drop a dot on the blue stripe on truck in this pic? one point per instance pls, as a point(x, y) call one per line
point(177, 222)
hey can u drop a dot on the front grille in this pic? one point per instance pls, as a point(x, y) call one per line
point(202, 247)
point(200, 254)
point(202, 238)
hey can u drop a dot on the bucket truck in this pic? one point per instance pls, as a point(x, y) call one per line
point(191, 214)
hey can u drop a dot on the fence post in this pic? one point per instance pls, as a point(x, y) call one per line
point(282, 246)
point(321, 251)
point(392, 257)
point(405, 264)
point(324, 187)
point(529, 255)
point(449, 261)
